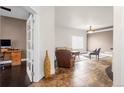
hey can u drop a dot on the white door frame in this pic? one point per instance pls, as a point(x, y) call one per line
point(118, 42)
point(30, 46)
point(29, 9)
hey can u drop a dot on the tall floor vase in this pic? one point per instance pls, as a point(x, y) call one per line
point(47, 66)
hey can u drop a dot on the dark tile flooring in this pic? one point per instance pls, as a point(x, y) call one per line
point(14, 76)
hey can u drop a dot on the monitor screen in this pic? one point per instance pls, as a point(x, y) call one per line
point(5, 43)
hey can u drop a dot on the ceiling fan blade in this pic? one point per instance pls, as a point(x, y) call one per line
point(5, 8)
point(91, 29)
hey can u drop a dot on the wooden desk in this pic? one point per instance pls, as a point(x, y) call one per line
point(14, 54)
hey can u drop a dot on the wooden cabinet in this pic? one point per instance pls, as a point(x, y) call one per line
point(16, 57)
point(13, 54)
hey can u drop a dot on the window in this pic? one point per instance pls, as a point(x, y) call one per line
point(77, 42)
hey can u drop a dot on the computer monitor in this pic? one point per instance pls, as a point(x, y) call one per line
point(5, 43)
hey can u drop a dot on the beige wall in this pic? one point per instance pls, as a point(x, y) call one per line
point(14, 29)
point(68, 33)
point(103, 40)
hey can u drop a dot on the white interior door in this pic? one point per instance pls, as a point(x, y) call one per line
point(30, 49)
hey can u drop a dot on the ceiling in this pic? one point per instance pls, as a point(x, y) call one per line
point(16, 12)
point(81, 17)
point(77, 17)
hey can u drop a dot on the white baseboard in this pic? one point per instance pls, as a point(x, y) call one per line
point(5, 62)
point(24, 59)
point(10, 61)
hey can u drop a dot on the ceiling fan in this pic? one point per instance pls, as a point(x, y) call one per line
point(5, 8)
point(91, 30)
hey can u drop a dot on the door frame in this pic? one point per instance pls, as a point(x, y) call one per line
point(30, 43)
point(34, 13)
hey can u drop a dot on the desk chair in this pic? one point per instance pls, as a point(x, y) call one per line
point(2, 59)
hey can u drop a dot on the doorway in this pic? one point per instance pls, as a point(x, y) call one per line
point(18, 75)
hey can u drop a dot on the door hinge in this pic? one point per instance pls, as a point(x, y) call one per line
point(33, 20)
point(32, 74)
point(32, 61)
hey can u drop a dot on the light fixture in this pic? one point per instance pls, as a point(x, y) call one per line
point(91, 30)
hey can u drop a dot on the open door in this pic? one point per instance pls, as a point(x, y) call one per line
point(30, 48)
